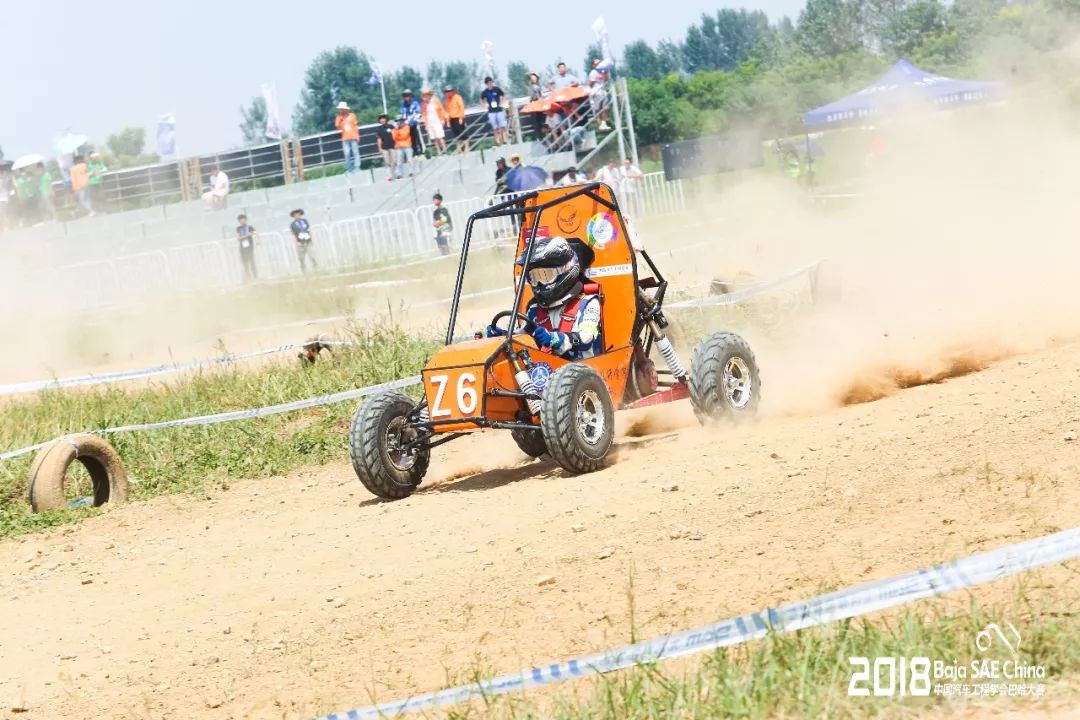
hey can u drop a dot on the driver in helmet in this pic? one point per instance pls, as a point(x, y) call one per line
point(564, 319)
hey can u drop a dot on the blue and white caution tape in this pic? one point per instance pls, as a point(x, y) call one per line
point(142, 373)
point(235, 415)
point(851, 602)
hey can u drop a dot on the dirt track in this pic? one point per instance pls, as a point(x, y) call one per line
point(301, 594)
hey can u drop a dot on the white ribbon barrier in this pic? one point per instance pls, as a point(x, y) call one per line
point(843, 604)
point(235, 415)
point(728, 299)
point(126, 375)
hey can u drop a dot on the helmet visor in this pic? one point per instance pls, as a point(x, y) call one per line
point(546, 276)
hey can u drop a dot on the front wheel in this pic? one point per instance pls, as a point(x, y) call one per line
point(724, 378)
point(376, 444)
point(577, 418)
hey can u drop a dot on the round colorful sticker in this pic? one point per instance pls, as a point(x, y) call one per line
point(602, 230)
point(540, 372)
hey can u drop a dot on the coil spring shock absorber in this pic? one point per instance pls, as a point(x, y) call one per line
point(667, 351)
point(520, 361)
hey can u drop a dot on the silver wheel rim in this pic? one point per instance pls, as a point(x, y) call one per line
point(590, 417)
point(399, 458)
point(738, 384)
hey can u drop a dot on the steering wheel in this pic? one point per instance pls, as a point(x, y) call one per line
point(527, 324)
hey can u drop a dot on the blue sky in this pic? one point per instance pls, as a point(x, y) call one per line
point(96, 66)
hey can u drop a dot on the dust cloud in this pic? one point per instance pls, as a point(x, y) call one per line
point(961, 248)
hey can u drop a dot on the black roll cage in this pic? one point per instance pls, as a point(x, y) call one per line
point(516, 207)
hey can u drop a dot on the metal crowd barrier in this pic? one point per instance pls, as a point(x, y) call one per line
point(354, 242)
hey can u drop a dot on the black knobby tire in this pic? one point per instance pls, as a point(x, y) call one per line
point(102, 462)
point(577, 449)
point(368, 446)
point(531, 442)
point(724, 378)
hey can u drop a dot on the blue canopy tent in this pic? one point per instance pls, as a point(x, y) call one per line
point(900, 85)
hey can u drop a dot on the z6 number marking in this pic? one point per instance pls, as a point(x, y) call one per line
point(467, 397)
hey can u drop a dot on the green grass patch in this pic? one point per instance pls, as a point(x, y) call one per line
point(196, 459)
point(806, 674)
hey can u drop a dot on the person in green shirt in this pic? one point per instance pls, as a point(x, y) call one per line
point(45, 192)
point(26, 193)
point(96, 168)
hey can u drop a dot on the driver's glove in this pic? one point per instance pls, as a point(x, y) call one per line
point(492, 331)
point(547, 338)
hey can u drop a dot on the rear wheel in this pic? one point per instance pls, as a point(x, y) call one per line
point(531, 442)
point(376, 444)
point(724, 378)
point(577, 418)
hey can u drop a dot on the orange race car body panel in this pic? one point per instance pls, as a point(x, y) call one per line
point(466, 383)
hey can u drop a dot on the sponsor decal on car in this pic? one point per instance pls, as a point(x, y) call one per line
point(602, 230)
point(540, 373)
point(609, 270)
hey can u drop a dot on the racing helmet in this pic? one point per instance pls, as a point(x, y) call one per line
point(554, 273)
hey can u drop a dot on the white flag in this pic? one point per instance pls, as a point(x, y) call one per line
point(273, 126)
point(489, 54)
point(600, 28)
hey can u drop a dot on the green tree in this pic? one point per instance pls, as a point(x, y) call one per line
point(517, 82)
point(911, 26)
point(335, 75)
point(128, 142)
point(830, 27)
point(640, 60)
point(253, 122)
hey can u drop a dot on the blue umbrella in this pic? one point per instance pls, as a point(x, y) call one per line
point(521, 179)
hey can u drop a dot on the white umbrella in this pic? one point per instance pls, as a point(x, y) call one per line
point(70, 143)
point(27, 161)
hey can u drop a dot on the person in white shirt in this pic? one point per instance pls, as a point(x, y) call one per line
point(219, 189)
point(572, 177)
point(563, 79)
point(598, 78)
point(609, 175)
point(629, 177)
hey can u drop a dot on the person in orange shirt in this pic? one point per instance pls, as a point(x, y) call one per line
point(403, 144)
point(435, 118)
point(455, 108)
point(80, 183)
point(349, 127)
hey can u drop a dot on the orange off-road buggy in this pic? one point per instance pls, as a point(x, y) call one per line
point(550, 404)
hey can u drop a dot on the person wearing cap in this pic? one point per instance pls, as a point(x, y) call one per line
point(384, 141)
point(349, 127)
point(492, 98)
point(440, 220)
point(598, 78)
point(435, 118)
point(403, 146)
point(410, 110)
point(301, 230)
point(245, 237)
point(455, 109)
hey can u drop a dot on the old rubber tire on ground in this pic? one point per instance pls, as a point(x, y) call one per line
point(373, 444)
point(577, 418)
point(101, 461)
point(724, 378)
point(531, 442)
